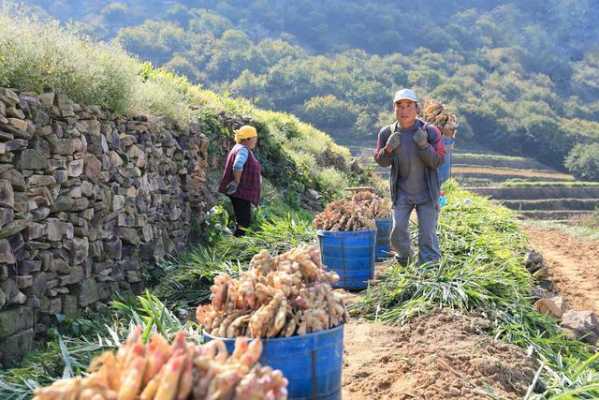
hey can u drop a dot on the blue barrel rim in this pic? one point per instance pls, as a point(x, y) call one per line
point(322, 232)
point(278, 338)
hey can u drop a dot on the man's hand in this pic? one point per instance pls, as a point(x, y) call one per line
point(392, 142)
point(421, 138)
point(231, 187)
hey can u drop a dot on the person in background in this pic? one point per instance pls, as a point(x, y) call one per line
point(448, 133)
point(448, 136)
point(414, 150)
point(241, 179)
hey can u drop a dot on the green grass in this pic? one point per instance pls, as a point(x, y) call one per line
point(72, 346)
point(61, 357)
point(571, 379)
point(482, 270)
point(186, 281)
point(148, 311)
point(585, 228)
point(38, 57)
point(477, 269)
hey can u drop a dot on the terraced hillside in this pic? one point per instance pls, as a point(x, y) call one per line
point(535, 190)
point(522, 184)
point(491, 169)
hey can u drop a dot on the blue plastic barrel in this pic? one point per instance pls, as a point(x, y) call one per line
point(383, 231)
point(351, 255)
point(311, 363)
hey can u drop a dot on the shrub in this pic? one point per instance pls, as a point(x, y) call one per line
point(38, 57)
point(329, 112)
point(332, 181)
point(583, 161)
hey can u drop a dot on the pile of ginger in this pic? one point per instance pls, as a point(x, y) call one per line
point(182, 370)
point(290, 294)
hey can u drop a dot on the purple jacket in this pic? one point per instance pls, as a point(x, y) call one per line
point(250, 183)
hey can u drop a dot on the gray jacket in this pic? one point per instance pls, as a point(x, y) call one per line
point(432, 156)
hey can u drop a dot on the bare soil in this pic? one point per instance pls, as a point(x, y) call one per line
point(434, 357)
point(573, 264)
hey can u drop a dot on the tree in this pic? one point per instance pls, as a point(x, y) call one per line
point(204, 21)
point(274, 51)
point(182, 66)
point(154, 40)
point(251, 87)
point(586, 73)
point(115, 12)
point(521, 73)
point(330, 113)
point(232, 54)
point(583, 161)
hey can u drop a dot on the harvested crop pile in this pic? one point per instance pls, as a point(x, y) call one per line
point(178, 371)
point(345, 215)
point(444, 355)
point(376, 206)
point(286, 295)
point(435, 113)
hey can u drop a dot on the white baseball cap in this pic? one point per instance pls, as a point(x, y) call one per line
point(405, 94)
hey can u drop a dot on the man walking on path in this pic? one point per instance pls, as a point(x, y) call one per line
point(414, 150)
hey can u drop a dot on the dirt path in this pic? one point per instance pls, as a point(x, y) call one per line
point(573, 265)
point(435, 357)
point(440, 356)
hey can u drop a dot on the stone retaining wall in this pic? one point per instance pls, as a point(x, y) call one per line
point(86, 199)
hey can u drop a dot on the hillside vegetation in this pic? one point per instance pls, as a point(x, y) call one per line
point(521, 74)
point(41, 57)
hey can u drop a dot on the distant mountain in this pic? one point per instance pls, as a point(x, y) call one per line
point(523, 74)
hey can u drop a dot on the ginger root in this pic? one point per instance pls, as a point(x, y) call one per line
point(278, 296)
point(178, 371)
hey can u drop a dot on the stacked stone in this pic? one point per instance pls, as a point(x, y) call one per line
point(87, 199)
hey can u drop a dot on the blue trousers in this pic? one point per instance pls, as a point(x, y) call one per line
point(428, 242)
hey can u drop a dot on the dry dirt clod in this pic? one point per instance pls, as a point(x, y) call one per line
point(584, 325)
point(553, 306)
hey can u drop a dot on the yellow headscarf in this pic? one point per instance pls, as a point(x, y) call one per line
point(245, 132)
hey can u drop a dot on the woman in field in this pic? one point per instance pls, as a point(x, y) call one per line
point(241, 179)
